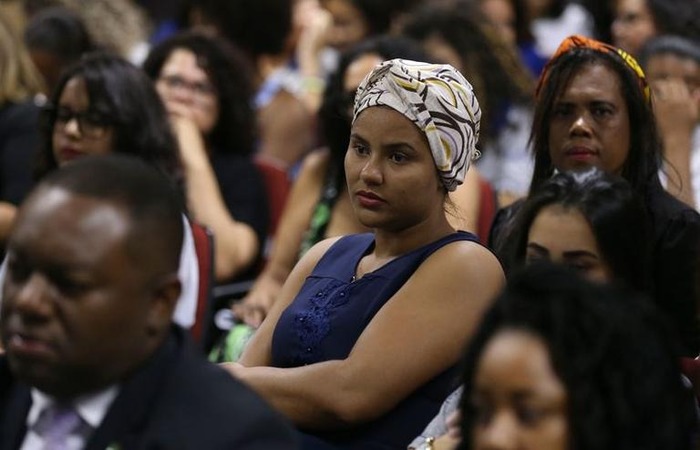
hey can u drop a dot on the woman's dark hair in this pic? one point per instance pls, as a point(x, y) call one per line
point(228, 71)
point(669, 45)
point(615, 214)
point(380, 14)
point(491, 65)
point(612, 352)
point(334, 118)
point(643, 160)
point(60, 31)
point(258, 27)
point(679, 17)
point(124, 95)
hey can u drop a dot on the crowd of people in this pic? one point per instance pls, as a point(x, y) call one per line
point(488, 236)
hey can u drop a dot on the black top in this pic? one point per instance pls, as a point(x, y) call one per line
point(19, 142)
point(243, 190)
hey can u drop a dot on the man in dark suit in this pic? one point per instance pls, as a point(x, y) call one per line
point(92, 358)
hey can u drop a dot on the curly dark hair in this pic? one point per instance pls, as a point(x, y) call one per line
point(126, 96)
point(494, 69)
point(612, 352)
point(616, 215)
point(643, 160)
point(230, 74)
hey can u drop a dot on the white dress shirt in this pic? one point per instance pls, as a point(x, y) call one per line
point(91, 408)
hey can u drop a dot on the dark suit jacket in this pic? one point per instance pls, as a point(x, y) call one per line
point(176, 401)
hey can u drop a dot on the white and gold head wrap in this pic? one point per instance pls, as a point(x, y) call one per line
point(439, 100)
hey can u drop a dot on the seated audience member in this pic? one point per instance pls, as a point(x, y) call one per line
point(559, 363)
point(207, 91)
point(635, 22)
point(263, 30)
point(319, 205)
point(93, 360)
point(459, 34)
point(591, 222)
point(103, 105)
point(56, 38)
point(593, 108)
point(361, 346)
point(672, 66)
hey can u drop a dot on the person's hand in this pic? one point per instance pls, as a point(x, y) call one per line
point(253, 308)
point(676, 110)
point(453, 425)
point(189, 138)
point(233, 368)
point(314, 21)
point(445, 442)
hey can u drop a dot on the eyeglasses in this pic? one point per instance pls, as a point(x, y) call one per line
point(91, 124)
point(201, 90)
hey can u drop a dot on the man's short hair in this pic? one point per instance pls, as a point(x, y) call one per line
point(152, 201)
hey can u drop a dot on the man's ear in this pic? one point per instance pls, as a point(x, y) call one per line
point(164, 296)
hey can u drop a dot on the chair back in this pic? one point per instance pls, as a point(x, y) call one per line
point(278, 186)
point(204, 247)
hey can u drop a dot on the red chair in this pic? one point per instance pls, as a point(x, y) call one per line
point(488, 206)
point(204, 247)
point(278, 186)
point(690, 367)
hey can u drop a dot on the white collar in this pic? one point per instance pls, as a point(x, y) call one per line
point(92, 408)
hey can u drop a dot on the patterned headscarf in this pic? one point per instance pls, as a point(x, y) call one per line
point(439, 100)
point(575, 42)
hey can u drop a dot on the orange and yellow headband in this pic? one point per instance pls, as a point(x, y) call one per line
point(576, 41)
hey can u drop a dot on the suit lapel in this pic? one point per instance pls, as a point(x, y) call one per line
point(128, 415)
point(15, 401)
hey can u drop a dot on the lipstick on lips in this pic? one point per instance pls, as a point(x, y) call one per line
point(580, 153)
point(68, 153)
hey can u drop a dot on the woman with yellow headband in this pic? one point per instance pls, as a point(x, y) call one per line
point(361, 346)
point(593, 108)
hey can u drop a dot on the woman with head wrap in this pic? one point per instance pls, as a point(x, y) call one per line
point(594, 108)
point(361, 346)
point(319, 205)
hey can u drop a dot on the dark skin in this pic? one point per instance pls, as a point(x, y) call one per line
point(80, 309)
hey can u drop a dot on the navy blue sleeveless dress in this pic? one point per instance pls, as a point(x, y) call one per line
point(327, 317)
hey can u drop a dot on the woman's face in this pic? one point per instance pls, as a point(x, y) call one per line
point(633, 25)
point(391, 176)
point(665, 67)
point(589, 123)
point(349, 25)
point(519, 401)
point(187, 91)
point(563, 236)
point(502, 14)
point(78, 128)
